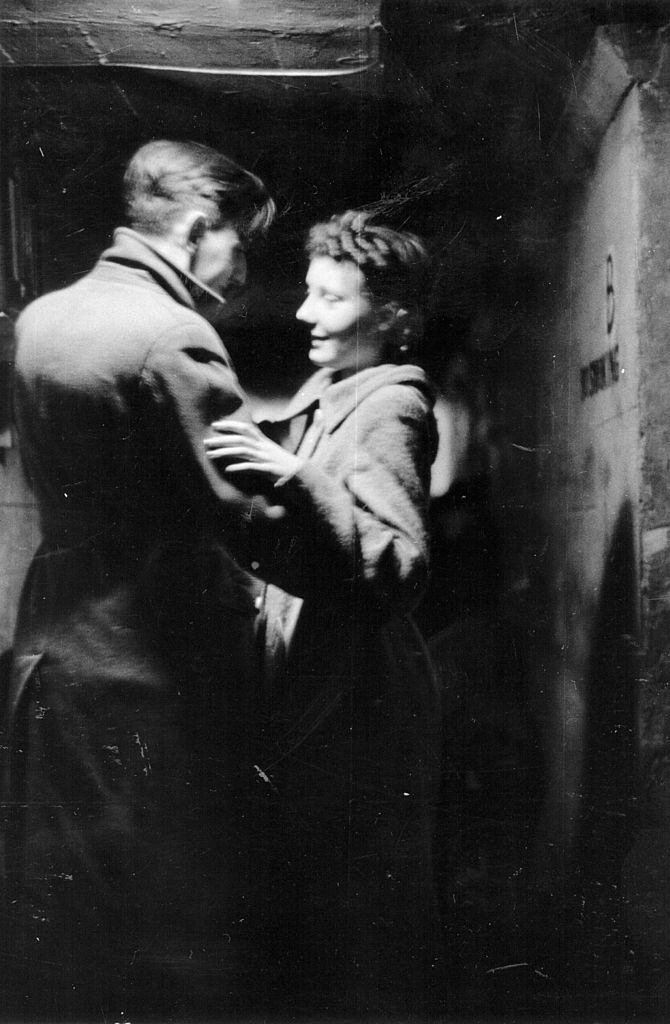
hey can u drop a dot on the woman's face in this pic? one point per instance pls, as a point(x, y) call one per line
point(345, 326)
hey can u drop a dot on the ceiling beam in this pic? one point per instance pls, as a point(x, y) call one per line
point(245, 37)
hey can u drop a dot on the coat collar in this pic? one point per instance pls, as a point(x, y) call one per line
point(338, 399)
point(131, 249)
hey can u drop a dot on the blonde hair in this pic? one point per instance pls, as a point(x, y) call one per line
point(165, 177)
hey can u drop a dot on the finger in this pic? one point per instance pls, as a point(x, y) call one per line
point(258, 467)
point(236, 426)
point(217, 454)
point(240, 453)
point(226, 441)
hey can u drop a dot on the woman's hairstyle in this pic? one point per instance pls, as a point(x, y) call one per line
point(164, 178)
point(394, 262)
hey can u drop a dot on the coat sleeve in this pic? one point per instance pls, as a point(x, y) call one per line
point(361, 533)
point(189, 382)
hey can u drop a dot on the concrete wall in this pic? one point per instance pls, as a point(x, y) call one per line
point(19, 527)
point(588, 489)
point(594, 584)
point(569, 491)
point(19, 537)
point(647, 871)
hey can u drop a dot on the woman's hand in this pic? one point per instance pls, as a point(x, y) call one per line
point(250, 449)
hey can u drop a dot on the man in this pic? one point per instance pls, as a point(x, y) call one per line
point(133, 670)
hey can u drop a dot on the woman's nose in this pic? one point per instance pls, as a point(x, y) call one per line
point(302, 313)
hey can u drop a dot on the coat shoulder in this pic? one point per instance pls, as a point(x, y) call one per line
point(399, 413)
point(400, 396)
point(394, 403)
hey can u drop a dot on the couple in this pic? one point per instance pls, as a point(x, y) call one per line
point(217, 784)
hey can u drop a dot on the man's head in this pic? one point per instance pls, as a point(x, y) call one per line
point(199, 206)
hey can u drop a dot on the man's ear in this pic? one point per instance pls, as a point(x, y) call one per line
point(196, 229)
point(189, 229)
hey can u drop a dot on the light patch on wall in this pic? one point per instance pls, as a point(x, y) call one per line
point(654, 541)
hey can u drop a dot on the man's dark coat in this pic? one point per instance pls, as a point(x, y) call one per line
point(133, 654)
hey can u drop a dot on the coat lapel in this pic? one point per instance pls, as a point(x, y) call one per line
point(297, 428)
point(290, 428)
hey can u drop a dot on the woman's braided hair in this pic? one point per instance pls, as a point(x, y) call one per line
point(393, 262)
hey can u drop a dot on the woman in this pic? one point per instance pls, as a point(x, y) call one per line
point(350, 715)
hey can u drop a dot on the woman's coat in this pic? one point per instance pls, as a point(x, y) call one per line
point(349, 756)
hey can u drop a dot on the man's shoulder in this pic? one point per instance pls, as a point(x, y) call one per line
point(88, 335)
point(109, 307)
point(43, 306)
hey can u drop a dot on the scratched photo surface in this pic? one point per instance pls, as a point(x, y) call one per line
point(446, 798)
